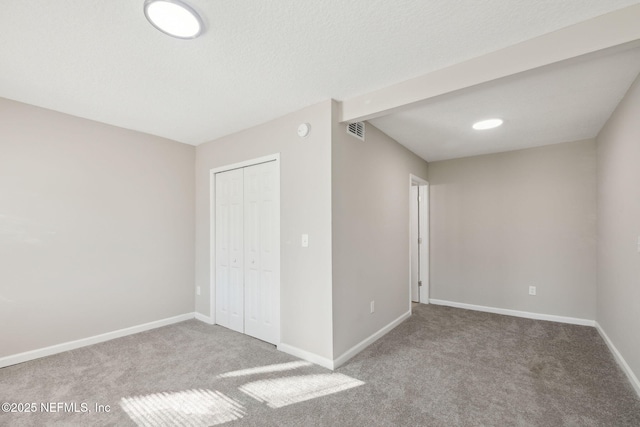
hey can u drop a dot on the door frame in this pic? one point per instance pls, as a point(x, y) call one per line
point(212, 228)
point(424, 254)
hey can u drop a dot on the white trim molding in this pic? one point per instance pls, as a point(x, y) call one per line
point(336, 363)
point(306, 355)
point(621, 362)
point(245, 163)
point(206, 319)
point(516, 313)
point(368, 341)
point(83, 342)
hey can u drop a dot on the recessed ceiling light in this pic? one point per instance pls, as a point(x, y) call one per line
point(487, 124)
point(173, 17)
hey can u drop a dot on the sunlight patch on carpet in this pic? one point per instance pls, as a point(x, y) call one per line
point(285, 391)
point(266, 369)
point(197, 408)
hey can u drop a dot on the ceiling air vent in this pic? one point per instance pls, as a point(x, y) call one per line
point(356, 129)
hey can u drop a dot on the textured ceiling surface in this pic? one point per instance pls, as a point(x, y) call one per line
point(564, 102)
point(256, 61)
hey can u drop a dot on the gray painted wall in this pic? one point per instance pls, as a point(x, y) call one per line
point(370, 214)
point(96, 228)
point(619, 228)
point(305, 199)
point(502, 222)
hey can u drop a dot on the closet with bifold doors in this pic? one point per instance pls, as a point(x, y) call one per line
point(247, 250)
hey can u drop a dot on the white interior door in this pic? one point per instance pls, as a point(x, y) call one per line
point(423, 248)
point(230, 249)
point(262, 253)
point(247, 250)
point(419, 239)
point(415, 247)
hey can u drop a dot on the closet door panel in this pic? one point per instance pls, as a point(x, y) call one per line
point(222, 192)
point(262, 229)
point(252, 253)
point(229, 249)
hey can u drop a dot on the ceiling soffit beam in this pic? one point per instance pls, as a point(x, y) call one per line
point(606, 31)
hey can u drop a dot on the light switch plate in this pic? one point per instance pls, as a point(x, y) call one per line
point(305, 240)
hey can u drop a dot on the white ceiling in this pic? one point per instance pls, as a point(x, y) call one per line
point(256, 61)
point(568, 101)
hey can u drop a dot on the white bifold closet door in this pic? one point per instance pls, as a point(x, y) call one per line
point(247, 251)
point(230, 250)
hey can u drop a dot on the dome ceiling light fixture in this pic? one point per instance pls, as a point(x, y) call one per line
point(174, 17)
point(487, 124)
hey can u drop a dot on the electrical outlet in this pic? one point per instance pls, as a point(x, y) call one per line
point(197, 290)
point(373, 306)
point(532, 290)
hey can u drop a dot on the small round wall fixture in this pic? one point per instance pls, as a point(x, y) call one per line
point(304, 129)
point(487, 124)
point(174, 18)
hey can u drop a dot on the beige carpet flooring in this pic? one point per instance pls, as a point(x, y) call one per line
point(441, 367)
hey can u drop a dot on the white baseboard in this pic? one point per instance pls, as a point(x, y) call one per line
point(623, 363)
point(516, 313)
point(306, 355)
point(83, 342)
point(336, 363)
point(205, 319)
point(368, 341)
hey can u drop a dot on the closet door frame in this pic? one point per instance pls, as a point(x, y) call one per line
point(212, 229)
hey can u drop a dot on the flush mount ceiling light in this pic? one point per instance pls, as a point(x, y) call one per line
point(487, 124)
point(173, 17)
